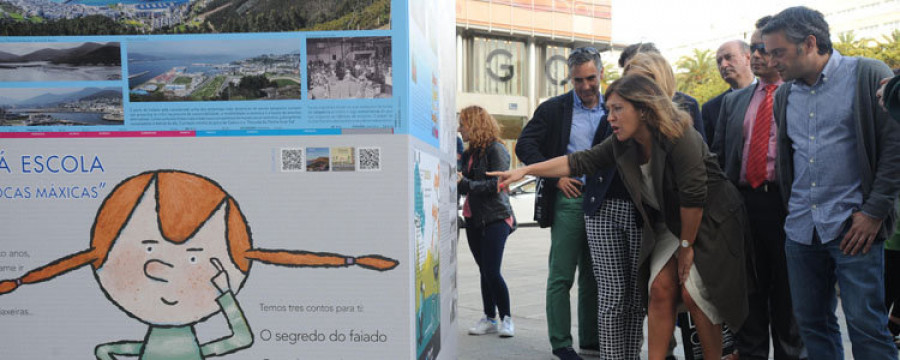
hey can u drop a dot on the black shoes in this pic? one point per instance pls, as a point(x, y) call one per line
point(566, 353)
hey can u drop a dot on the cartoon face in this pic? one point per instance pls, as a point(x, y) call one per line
point(163, 283)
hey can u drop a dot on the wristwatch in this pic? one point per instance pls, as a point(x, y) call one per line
point(685, 243)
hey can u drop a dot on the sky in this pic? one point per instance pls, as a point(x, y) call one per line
point(671, 23)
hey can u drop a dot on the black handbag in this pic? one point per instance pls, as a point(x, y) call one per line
point(542, 204)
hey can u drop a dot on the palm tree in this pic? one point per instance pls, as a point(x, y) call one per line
point(890, 49)
point(847, 44)
point(887, 50)
point(698, 76)
point(893, 37)
point(610, 74)
point(696, 69)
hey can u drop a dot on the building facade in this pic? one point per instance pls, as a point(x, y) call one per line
point(511, 54)
point(871, 19)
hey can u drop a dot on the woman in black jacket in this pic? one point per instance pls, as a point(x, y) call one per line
point(489, 218)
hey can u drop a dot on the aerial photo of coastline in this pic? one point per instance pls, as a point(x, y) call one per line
point(84, 61)
point(214, 70)
point(61, 106)
point(122, 17)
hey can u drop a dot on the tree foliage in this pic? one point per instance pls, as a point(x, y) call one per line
point(250, 87)
point(374, 16)
point(886, 49)
point(229, 16)
point(286, 15)
point(610, 73)
point(698, 76)
point(94, 24)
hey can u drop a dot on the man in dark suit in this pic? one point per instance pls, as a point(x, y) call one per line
point(562, 125)
point(745, 146)
point(733, 60)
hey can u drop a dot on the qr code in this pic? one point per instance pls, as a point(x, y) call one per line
point(369, 159)
point(292, 160)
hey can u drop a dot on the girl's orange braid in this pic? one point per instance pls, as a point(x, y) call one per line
point(50, 271)
point(310, 259)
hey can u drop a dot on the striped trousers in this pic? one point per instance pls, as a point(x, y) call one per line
point(614, 240)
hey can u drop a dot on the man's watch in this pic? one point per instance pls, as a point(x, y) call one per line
point(685, 243)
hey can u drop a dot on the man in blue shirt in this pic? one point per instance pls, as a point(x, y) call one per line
point(562, 125)
point(838, 166)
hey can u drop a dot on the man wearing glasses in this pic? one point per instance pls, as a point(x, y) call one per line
point(562, 125)
point(838, 164)
point(745, 147)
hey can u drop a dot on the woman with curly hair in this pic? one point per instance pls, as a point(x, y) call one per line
point(489, 218)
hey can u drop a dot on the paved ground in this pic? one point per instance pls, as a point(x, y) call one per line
point(525, 271)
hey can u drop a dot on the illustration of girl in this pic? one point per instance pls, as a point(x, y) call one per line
point(171, 249)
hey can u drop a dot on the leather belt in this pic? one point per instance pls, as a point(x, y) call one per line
point(765, 187)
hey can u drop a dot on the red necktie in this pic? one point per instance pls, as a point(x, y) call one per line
point(759, 140)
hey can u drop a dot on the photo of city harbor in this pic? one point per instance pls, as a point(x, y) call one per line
point(123, 17)
point(84, 61)
point(214, 70)
point(61, 106)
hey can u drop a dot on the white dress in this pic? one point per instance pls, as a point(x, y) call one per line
point(666, 246)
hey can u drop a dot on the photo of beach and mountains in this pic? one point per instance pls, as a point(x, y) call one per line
point(61, 106)
point(144, 17)
point(214, 70)
point(318, 159)
point(83, 61)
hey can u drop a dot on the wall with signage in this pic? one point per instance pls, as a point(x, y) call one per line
point(205, 178)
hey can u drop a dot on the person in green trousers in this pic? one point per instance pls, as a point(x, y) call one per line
point(562, 125)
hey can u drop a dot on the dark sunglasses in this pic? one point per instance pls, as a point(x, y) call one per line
point(761, 47)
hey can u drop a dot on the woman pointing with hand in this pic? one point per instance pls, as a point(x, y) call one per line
point(693, 218)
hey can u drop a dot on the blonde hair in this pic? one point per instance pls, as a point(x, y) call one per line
point(483, 128)
point(185, 202)
point(655, 67)
point(657, 108)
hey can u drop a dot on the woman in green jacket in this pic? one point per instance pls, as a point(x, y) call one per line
point(694, 221)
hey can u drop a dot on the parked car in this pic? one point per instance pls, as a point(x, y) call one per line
point(521, 199)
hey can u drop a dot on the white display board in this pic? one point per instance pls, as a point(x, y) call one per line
point(180, 180)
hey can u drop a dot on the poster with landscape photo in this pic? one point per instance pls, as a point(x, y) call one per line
point(61, 106)
point(141, 17)
point(221, 70)
point(70, 61)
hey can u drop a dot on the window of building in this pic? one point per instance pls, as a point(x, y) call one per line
point(553, 71)
point(498, 67)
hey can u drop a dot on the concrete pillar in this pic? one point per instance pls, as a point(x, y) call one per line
point(533, 76)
